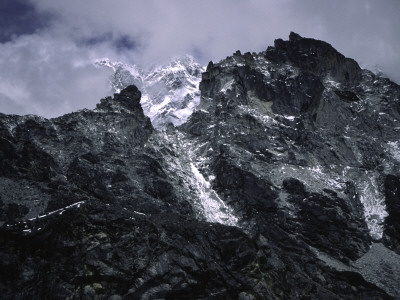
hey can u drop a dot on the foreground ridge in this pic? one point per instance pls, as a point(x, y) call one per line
point(282, 184)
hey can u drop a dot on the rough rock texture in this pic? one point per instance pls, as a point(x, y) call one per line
point(392, 222)
point(275, 188)
point(169, 92)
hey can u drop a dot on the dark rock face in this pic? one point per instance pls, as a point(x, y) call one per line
point(275, 188)
point(392, 222)
point(315, 56)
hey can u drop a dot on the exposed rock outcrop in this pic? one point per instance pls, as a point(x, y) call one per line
point(275, 188)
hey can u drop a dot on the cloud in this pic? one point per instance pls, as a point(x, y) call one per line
point(161, 29)
point(49, 70)
point(48, 76)
point(19, 17)
point(364, 30)
point(217, 28)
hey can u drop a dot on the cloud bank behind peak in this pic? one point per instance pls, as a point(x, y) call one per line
point(50, 71)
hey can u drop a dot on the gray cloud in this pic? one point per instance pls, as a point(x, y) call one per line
point(49, 77)
point(19, 17)
point(49, 72)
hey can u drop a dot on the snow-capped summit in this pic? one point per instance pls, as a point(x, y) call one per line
point(169, 92)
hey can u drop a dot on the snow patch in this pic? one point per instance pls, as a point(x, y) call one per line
point(138, 213)
point(170, 92)
point(184, 165)
point(394, 149)
point(227, 86)
point(374, 204)
point(59, 211)
point(291, 118)
point(331, 83)
point(215, 210)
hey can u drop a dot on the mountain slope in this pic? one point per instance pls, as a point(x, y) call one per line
point(169, 92)
point(282, 184)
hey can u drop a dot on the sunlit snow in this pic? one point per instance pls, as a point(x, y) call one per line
point(185, 165)
point(214, 209)
point(170, 93)
point(394, 149)
point(374, 204)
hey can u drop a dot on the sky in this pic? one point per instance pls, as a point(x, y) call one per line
point(47, 47)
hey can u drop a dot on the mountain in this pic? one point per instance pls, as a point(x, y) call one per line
point(282, 184)
point(169, 92)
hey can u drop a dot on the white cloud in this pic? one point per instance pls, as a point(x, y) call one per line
point(48, 76)
point(50, 72)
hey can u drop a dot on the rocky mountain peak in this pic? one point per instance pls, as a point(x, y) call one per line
point(281, 181)
point(169, 91)
point(310, 85)
point(315, 56)
point(128, 98)
point(293, 36)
